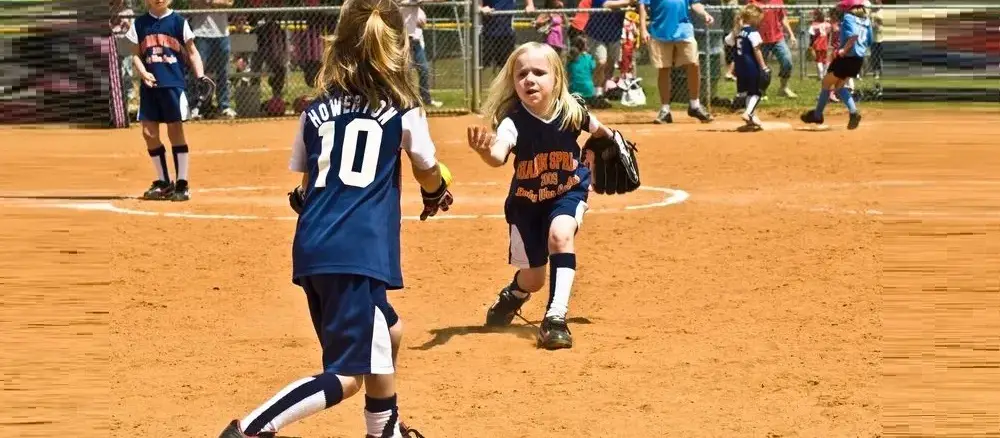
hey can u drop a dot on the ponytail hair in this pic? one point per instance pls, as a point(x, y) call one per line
point(369, 54)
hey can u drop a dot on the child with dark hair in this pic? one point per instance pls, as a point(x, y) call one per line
point(580, 69)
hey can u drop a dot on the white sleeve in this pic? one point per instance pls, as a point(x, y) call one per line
point(730, 39)
point(298, 162)
point(755, 39)
point(188, 33)
point(131, 34)
point(417, 140)
point(507, 132)
point(594, 124)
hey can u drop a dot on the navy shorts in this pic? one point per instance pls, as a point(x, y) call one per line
point(846, 67)
point(163, 105)
point(749, 84)
point(352, 317)
point(529, 226)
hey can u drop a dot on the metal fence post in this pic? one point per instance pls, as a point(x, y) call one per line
point(477, 22)
point(466, 58)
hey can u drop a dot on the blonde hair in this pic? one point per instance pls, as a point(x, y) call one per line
point(859, 11)
point(751, 14)
point(503, 95)
point(369, 54)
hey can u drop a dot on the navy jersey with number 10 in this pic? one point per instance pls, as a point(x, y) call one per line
point(351, 150)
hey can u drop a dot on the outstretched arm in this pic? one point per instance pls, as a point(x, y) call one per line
point(493, 148)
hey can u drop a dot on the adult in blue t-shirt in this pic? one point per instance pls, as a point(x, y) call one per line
point(672, 44)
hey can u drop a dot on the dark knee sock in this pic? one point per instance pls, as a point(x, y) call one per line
point(516, 289)
point(296, 401)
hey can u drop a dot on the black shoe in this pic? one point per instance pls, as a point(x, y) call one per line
point(407, 432)
point(233, 431)
point(663, 117)
point(554, 334)
point(700, 114)
point(181, 192)
point(502, 312)
point(854, 121)
point(811, 117)
point(159, 191)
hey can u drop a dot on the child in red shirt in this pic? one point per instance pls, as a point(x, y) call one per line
point(819, 31)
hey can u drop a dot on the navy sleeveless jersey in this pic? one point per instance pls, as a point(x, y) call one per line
point(161, 46)
point(744, 61)
point(547, 160)
point(351, 220)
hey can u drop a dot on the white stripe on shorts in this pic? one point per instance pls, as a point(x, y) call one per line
point(518, 254)
point(381, 361)
point(183, 102)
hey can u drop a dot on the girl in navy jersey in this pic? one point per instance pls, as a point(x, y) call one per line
point(163, 42)
point(538, 121)
point(346, 250)
point(752, 74)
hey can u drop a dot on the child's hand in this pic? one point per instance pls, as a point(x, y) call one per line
point(148, 79)
point(481, 139)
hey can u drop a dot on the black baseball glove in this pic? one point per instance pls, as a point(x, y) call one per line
point(297, 199)
point(201, 91)
point(765, 80)
point(615, 169)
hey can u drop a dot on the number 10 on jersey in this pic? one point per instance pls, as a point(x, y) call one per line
point(349, 151)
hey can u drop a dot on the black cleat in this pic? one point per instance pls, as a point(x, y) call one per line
point(811, 117)
point(854, 121)
point(502, 312)
point(159, 191)
point(407, 432)
point(181, 192)
point(233, 431)
point(554, 334)
point(700, 114)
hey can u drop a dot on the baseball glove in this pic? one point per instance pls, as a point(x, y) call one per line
point(615, 169)
point(297, 199)
point(765, 80)
point(202, 91)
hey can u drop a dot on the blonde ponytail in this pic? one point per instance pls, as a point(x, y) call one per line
point(369, 55)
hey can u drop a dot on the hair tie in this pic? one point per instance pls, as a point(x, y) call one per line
point(376, 13)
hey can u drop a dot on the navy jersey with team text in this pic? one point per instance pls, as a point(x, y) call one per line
point(351, 151)
point(547, 160)
point(744, 60)
point(161, 46)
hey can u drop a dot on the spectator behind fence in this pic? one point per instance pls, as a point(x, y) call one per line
point(670, 36)
point(604, 36)
point(272, 49)
point(580, 73)
point(772, 30)
point(211, 33)
point(497, 40)
point(414, 20)
point(550, 24)
point(124, 18)
point(578, 26)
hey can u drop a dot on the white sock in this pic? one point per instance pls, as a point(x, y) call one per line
point(695, 103)
point(375, 423)
point(308, 401)
point(665, 108)
point(159, 158)
point(181, 161)
point(752, 104)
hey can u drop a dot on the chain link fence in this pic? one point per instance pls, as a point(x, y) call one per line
point(265, 60)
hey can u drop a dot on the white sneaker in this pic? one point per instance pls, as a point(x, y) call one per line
point(229, 113)
point(788, 93)
point(195, 114)
point(436, 103)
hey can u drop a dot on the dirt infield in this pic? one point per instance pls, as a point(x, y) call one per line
point(745, 292)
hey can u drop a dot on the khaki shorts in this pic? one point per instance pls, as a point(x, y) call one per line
point(673, 54)
point(605, 52)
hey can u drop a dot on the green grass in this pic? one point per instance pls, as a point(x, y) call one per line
point(449, 82)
